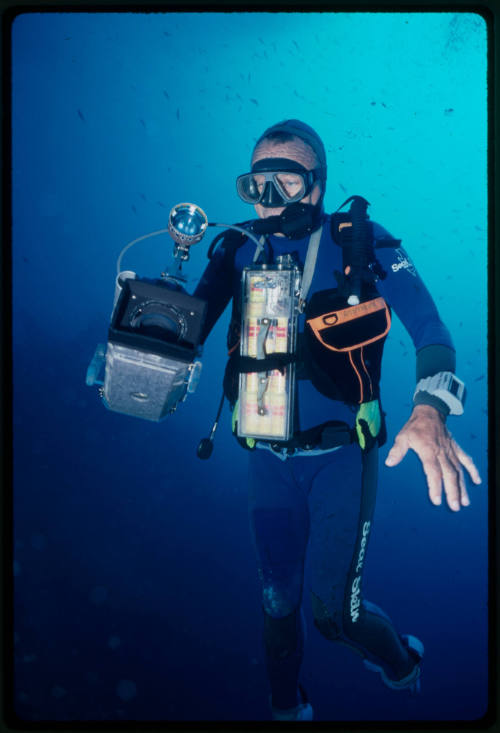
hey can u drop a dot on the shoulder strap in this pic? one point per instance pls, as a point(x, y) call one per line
point(310, 263)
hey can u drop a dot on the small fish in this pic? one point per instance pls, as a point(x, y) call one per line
point(178, 114)
point(165, 94)
point(401, 343)
point(383, 104)
point(449, 111)
point(373, 104)
point(160, 203)
point(473, 436)
point(344, 189)
point(261, 41)
point(166, 33)
point(478, 379)
point(142, 123)
point(25, 259)
point(254, 100)
point(142, 197)
point(80, 115)
point(134, 209)
point(67, 38)
point(460, 324)
point(296, 45)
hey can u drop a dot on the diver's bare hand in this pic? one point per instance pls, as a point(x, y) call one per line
point(442, 458)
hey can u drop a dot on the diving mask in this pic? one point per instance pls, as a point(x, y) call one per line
point(276, 182)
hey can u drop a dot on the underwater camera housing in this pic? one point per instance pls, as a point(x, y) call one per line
point(150, 362)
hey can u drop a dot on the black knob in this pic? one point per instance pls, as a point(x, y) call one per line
point(205, 448)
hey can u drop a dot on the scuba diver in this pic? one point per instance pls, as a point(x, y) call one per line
point(313, 466)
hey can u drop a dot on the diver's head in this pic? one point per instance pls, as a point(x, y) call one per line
point(288, 166)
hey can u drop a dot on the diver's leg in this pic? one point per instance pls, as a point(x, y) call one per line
point(342, 503)
point(279, 520)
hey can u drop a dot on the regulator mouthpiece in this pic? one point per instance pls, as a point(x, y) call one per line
point(187, 223)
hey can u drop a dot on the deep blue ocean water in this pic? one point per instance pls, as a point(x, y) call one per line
point(135, 589)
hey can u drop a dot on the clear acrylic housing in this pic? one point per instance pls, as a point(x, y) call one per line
point(269, 326)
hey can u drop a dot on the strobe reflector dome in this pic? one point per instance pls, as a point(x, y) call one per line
point(187, 224)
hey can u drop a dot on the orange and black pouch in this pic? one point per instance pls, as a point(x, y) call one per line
point(343, 345)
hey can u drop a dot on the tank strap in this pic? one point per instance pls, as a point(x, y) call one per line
point(246, 364)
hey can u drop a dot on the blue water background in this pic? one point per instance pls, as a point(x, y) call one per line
point(136, 594)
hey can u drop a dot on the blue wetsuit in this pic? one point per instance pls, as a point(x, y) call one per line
point(325, 501)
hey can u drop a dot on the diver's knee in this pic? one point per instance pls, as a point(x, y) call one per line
point(281, 635)
point(323, 620)
point(277, 603)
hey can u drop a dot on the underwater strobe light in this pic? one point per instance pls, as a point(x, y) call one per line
point(187, 224)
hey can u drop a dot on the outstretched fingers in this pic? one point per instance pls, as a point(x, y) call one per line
point(453, 479)
point(467, 462)
point(433, 474)
point(442, 460)
point(443, 469)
